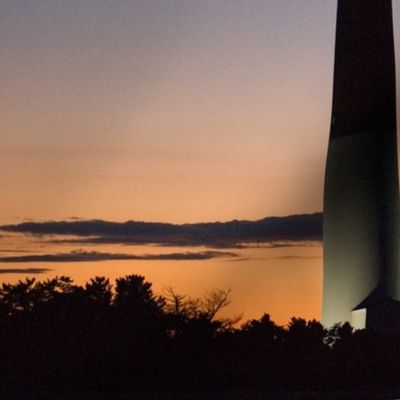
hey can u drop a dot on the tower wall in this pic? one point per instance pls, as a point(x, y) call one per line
point(361, 183)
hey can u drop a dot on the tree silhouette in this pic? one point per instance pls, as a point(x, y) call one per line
point(99, 292)
point(57, 336)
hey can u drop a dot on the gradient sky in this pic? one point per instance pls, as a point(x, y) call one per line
point(175, 111)
point(171, 111)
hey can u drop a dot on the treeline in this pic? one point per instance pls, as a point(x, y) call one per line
point(59, 337)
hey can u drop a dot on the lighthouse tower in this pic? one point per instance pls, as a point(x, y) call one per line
point(361, 200)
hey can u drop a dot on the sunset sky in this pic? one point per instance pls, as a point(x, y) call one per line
point(177, 111)
point(174, 111)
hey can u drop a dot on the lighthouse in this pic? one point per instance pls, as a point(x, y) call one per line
point(361, 195)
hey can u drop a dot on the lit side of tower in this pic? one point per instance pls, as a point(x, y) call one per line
point(361, 183)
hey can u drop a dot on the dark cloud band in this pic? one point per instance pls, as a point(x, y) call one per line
point(305, 227)
point(79, 256)
point(24, 270)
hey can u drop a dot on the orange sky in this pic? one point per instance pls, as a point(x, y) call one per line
point(283, 281)
point(178, 111)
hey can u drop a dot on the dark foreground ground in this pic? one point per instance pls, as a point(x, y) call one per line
point(280, 395)
point(63, 341)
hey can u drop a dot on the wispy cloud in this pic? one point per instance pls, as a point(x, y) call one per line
point(275, 231)
point(18, 251)
point(24, 270)
point(79, 256)
point(296, 257)
point(239, 259)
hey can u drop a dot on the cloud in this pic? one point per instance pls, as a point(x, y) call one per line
point(79, 256)
point(285, 244)
point(294, 257)
point(24, 270)
point(16, 251)
point(239, 259)
point(305, 227)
